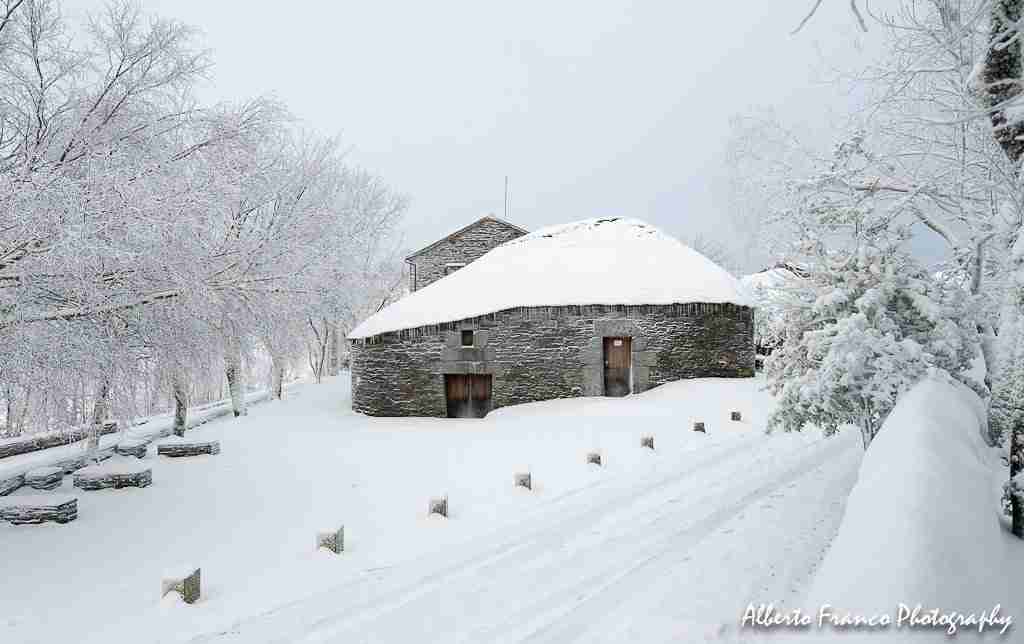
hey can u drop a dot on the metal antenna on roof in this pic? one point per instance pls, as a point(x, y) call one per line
point(506, 197)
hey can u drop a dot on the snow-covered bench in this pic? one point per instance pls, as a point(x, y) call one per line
point(14, 477)
point(136, 448)
point(74, 463)
point(11, 483)
point(44, 478)
point(114, 474)
point(18, 510)
point(178, 446)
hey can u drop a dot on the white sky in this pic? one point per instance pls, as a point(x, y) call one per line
point(592, 108)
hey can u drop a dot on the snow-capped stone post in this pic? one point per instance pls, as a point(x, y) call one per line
point(439, 505)
point(594, 458)
point(698, 426)
point(523, 479)
point(186, 585)
point(647, 440)
point(333, 540)
point(736, 416)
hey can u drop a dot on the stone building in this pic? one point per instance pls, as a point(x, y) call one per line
point(601, 307)
point(447, 255)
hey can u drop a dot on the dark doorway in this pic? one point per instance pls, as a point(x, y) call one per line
point(469, 395)
point(617, 363)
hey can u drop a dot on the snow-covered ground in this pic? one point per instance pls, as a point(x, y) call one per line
point(144, 430)
point(657, 546)
point(922, 526)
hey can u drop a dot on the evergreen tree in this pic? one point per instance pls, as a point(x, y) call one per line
point(867, 321)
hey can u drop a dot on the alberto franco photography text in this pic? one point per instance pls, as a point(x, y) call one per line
point(905, 616)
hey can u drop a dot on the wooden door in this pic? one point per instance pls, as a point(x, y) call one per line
point(617, 363)
point(468, 395)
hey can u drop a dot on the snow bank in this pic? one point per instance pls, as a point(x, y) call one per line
point(922, 523)
point(594, 261)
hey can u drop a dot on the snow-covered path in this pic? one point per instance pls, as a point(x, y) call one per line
point(663, 546)
point(668, 556)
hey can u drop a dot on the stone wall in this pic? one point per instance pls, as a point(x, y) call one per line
point(542, 353)
point(463, 247)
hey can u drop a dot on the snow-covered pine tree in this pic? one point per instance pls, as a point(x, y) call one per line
point(867, 321)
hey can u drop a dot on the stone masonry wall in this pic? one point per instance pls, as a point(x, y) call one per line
point(465, 247)
point(549, 352)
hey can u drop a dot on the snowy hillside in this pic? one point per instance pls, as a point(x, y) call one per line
point(656, 546)
point(594, 261)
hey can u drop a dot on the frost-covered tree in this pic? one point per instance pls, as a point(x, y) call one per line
point(769, 290)
point(146, 240)
point(944, 111)
point(865, 322)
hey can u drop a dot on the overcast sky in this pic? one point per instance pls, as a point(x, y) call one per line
point(591, 108)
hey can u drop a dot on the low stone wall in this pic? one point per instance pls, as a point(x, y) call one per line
point(540, 353)
point(50, 439)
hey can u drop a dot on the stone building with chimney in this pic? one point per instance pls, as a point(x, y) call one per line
point(600, 307)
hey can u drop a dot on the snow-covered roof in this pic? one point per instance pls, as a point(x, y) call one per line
point(594, 261)
point(458, 232)
point(767, 280)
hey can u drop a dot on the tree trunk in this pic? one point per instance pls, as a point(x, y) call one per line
point(866, 430)
point(276, 377)
point(1001, 74)
point(317, 349)
point(1016, 465)
point(236, 385)
point(100, 409)
point(334, 359)
point(180, 391)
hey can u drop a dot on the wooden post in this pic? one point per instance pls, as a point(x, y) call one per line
point(439, 505)
point(187, 586)
point(523, 479)
point(333, 540)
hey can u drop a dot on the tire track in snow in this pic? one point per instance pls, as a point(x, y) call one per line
point(547, 575)
point(535, 559)
point(309, 612)
point(583, 617)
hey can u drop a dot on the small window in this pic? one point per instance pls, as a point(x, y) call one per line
point(467, 338)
